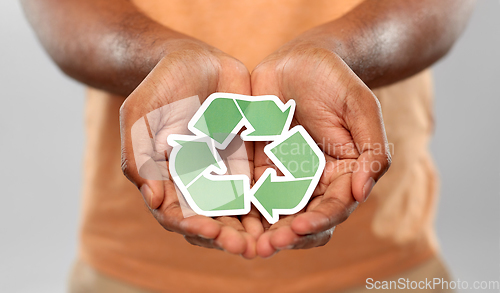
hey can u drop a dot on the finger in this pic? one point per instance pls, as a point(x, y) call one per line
point(202, 242)
point(212, 243)
point(364, 120)
point(172, 219)
point(265, 248)
point(231, 237)
point(234, 78)
point(283, 238)
point(137, 153)
point(372, 166)
point(251, 250)
point(334, 207)
point(252, 223)
point(314, 240)
point(175, 217)
point(225, 233)
point(264, 80)
point(231, 240)
point(286, 238)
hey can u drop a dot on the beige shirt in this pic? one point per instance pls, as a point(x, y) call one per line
point(389, 233)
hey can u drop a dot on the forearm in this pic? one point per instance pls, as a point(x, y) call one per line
point(108, 44)
point(384, 41)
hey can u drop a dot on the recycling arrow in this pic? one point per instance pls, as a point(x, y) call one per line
point(194, 158)
point(192, 161)
point(302, 163)
point(266, 117)
point(280, 196)
point(222, 116)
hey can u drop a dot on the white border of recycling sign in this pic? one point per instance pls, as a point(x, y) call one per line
point(198, 170)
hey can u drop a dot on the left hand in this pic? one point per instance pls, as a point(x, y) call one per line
point(344, 117)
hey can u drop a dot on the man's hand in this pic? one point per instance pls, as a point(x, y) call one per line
point(193, 69)
point(325, 71)
point(344, 118)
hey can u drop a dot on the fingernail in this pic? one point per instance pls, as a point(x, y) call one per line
point(204, 237)
point(147, 193)
point(367, 188)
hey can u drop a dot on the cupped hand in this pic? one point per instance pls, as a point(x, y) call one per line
point(163, 104)
point(344, 118)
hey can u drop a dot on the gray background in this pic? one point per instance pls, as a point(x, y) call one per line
point(41, 146)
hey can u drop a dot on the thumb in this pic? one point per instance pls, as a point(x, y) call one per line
point(140, 162)
point(365, 122)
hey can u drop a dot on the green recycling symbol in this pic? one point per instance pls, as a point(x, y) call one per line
point(195, 158)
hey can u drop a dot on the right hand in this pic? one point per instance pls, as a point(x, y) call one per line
point(191, 69)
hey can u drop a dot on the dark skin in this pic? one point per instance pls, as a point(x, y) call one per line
point(112, 46)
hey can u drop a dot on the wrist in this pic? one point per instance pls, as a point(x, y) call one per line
point(347, 41)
